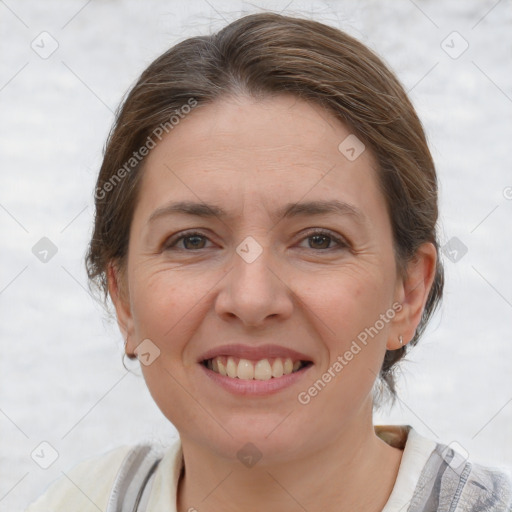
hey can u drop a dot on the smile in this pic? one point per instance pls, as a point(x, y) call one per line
point(246, 369)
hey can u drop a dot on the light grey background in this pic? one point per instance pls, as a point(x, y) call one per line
point(62, 380)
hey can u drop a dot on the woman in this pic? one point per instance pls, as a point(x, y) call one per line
point(266, 229)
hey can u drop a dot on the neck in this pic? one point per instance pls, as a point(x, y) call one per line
point(357, 471)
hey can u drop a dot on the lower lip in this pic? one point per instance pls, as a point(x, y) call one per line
point(255, 387)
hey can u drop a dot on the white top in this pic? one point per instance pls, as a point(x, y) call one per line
point(87, 486)
point(416, 453)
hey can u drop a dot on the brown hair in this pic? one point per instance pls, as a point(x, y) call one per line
point(262, 55)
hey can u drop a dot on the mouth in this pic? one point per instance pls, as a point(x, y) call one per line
point(262, 369)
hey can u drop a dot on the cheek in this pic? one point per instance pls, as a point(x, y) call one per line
point(348, 310)
point(164, 304)
point(346, 300)
point(349, 307)
point(171, 307)
point(167, 307)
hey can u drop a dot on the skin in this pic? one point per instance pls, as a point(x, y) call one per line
point(251, 157)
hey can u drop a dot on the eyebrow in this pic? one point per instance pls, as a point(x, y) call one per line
point(290, 210)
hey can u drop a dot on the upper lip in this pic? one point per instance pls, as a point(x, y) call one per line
point(253, 353)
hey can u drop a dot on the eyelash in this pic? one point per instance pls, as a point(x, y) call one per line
point(341, 243)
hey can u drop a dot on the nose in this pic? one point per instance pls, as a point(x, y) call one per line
point(254, 292)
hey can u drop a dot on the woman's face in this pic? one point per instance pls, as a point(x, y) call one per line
point(283, 251)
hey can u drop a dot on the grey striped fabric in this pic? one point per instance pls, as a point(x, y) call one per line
point(132, 486)
point(447, 483)
point(450, 483)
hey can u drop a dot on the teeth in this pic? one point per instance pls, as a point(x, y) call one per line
point(263, 370)
point(277, 368)
point(231, 368)
point(245, 369)
point(248, 370)
point(221, 367)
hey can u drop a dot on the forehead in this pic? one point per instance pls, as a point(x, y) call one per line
point(270, 128)
point(274, 150)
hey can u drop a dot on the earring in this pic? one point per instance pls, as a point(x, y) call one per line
point(401, 340)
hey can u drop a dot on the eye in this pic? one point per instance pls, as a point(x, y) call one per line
point(191, 241)
point(321, 240)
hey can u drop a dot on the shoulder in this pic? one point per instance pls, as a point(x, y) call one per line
point(486, 488)
point(452, 481)
point(86, 487)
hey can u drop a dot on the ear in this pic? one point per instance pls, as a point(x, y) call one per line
point(117, 290)
point(412, 293)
